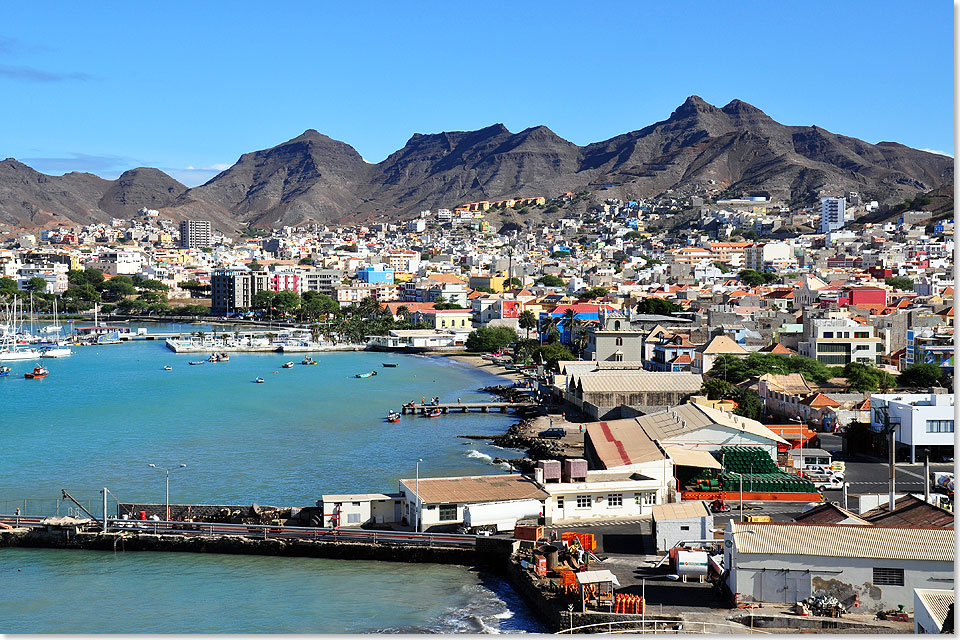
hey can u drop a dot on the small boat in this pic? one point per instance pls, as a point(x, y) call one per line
point(287, 365)
point(38, 372)
point(308, 360)
point(4, 371)
point(213, 358)
point(436, 413)
point(198, 362)
point(393, 416)
point(391, 365)
point(259, 380)
point(224, 357)
point(368, 374)
point(168, 368)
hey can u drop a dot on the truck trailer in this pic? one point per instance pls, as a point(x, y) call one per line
point(491, 517)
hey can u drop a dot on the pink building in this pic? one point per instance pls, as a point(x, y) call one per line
point(284, 282)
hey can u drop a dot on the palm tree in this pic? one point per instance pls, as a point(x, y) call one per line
point(403, 312)
point(315, 332)
point(527, 321)
point(569, 322)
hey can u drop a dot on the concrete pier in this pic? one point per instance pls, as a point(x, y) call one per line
point(464, 407)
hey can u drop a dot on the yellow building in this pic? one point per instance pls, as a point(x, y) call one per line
point(495, 283)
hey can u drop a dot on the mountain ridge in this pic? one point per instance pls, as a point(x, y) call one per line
point(699, 149)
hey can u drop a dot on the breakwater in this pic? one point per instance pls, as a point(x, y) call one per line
point(488, 552)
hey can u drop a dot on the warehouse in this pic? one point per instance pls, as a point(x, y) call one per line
point(679, 522)
point(604, 394)
point(874, 567)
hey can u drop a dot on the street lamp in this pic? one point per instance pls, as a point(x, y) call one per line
point(167, 473)
point(416, 512)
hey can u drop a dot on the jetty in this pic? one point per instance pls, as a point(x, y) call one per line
point(464, 407)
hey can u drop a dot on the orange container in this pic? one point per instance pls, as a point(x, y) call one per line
point(587, 541)
point(540, 568)
point(528, 532)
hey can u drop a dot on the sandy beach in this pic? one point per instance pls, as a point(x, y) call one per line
point(478, 362)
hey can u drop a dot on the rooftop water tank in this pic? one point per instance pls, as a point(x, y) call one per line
point(551, 469)
point(574, 470)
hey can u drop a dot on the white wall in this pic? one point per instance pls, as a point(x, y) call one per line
point(670, 532)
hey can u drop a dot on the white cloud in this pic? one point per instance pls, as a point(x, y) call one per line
point(221, 166)
point(938, 152)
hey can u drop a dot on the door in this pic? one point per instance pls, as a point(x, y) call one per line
point(558, 509)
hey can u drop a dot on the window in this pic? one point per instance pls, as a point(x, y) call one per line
point(559, 502)
point(584, 502)
point(828, 334)
point(890, 577)
point(648, 498)
point(684, 527)
point(939, 426)
point(614, 500)
point(448, 512)
point(619, 342)
point(353, 518)
point(861, 334)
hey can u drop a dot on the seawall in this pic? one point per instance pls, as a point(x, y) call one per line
point(489, 553)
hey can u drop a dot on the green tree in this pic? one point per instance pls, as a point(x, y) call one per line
point(490, 338)
point(632, 235)
point(512, 282)
point(657, 306)
point(716, 389)
point(255, 266)
point(36, 284)
point(263, 300)
point(118, 287)
point(8, 286)
point(550, 281)
point(903, 284)
point(559, 255)
point(306, 261)
point(722, 266)
point(748, 402)
point(756, 278)
point(922, 375)
point(551, 354)
point(593, 293)
point(152, 285)
point(527, 321)
point(286, 301)
point(93, 276)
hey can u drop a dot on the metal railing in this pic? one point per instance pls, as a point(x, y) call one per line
point(265, 532)
point(667, 626)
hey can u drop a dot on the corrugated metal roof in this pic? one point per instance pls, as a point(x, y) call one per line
point(685, 418)
point(357, 497)
point(937, 603)
point(693, 458)
point(680, 510)
point(476, 489)
point(620, 443)
point(637, 381)
point(844, 541)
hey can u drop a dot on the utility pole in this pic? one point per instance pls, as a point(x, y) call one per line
point(926, 478)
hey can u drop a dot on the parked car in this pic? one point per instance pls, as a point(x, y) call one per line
point(553, 432)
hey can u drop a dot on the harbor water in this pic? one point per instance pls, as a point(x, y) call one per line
point(107, 412)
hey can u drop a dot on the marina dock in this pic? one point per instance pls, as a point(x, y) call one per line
point(464, 407)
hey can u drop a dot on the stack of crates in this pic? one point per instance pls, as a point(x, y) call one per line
point(766, 476)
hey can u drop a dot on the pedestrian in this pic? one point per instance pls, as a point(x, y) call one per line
point(423, 399)
point(458, 400)
point(581, 428)
point(18, 512)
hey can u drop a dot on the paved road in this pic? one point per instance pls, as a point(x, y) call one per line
point(873, 477)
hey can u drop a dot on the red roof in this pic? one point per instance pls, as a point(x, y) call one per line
point(583, 308)
point(819, 400)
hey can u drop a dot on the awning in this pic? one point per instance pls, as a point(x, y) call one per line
point(692, 458)
point(593, 577)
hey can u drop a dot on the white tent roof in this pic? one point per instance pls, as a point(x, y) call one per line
point(593, 577)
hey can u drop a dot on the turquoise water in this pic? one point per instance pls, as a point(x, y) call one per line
point(107, 412)
point(70, 592)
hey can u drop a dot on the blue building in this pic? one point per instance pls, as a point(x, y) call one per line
point(377, 274)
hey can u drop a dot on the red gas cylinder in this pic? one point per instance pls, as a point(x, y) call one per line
point(143, 515)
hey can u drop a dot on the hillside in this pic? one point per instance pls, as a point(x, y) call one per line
point(699, 149)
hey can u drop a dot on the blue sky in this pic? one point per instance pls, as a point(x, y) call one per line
point(188, 87)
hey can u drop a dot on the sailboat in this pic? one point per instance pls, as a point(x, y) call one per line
point(61, 348)
point(10, 349)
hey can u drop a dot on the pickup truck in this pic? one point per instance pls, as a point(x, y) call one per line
point(553, 432)
point(824, 480)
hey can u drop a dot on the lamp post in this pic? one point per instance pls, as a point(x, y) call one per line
point(799, 420)
point(167, 474)
point(416, 509)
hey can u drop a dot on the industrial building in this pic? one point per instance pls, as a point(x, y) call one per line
point(870, 567)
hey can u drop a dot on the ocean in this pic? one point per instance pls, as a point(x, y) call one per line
point(106, 413)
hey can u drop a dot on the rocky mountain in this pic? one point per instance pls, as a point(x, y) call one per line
point(699, 149)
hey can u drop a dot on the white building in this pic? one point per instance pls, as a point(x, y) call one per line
point(119, 263)
point(833, 212)
point(769, 256)
point(356, 510)
point(681, 521)
point(920, 420)
point(875, 567)
point(606, 495)
point(194, 234)
point(931, 608)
